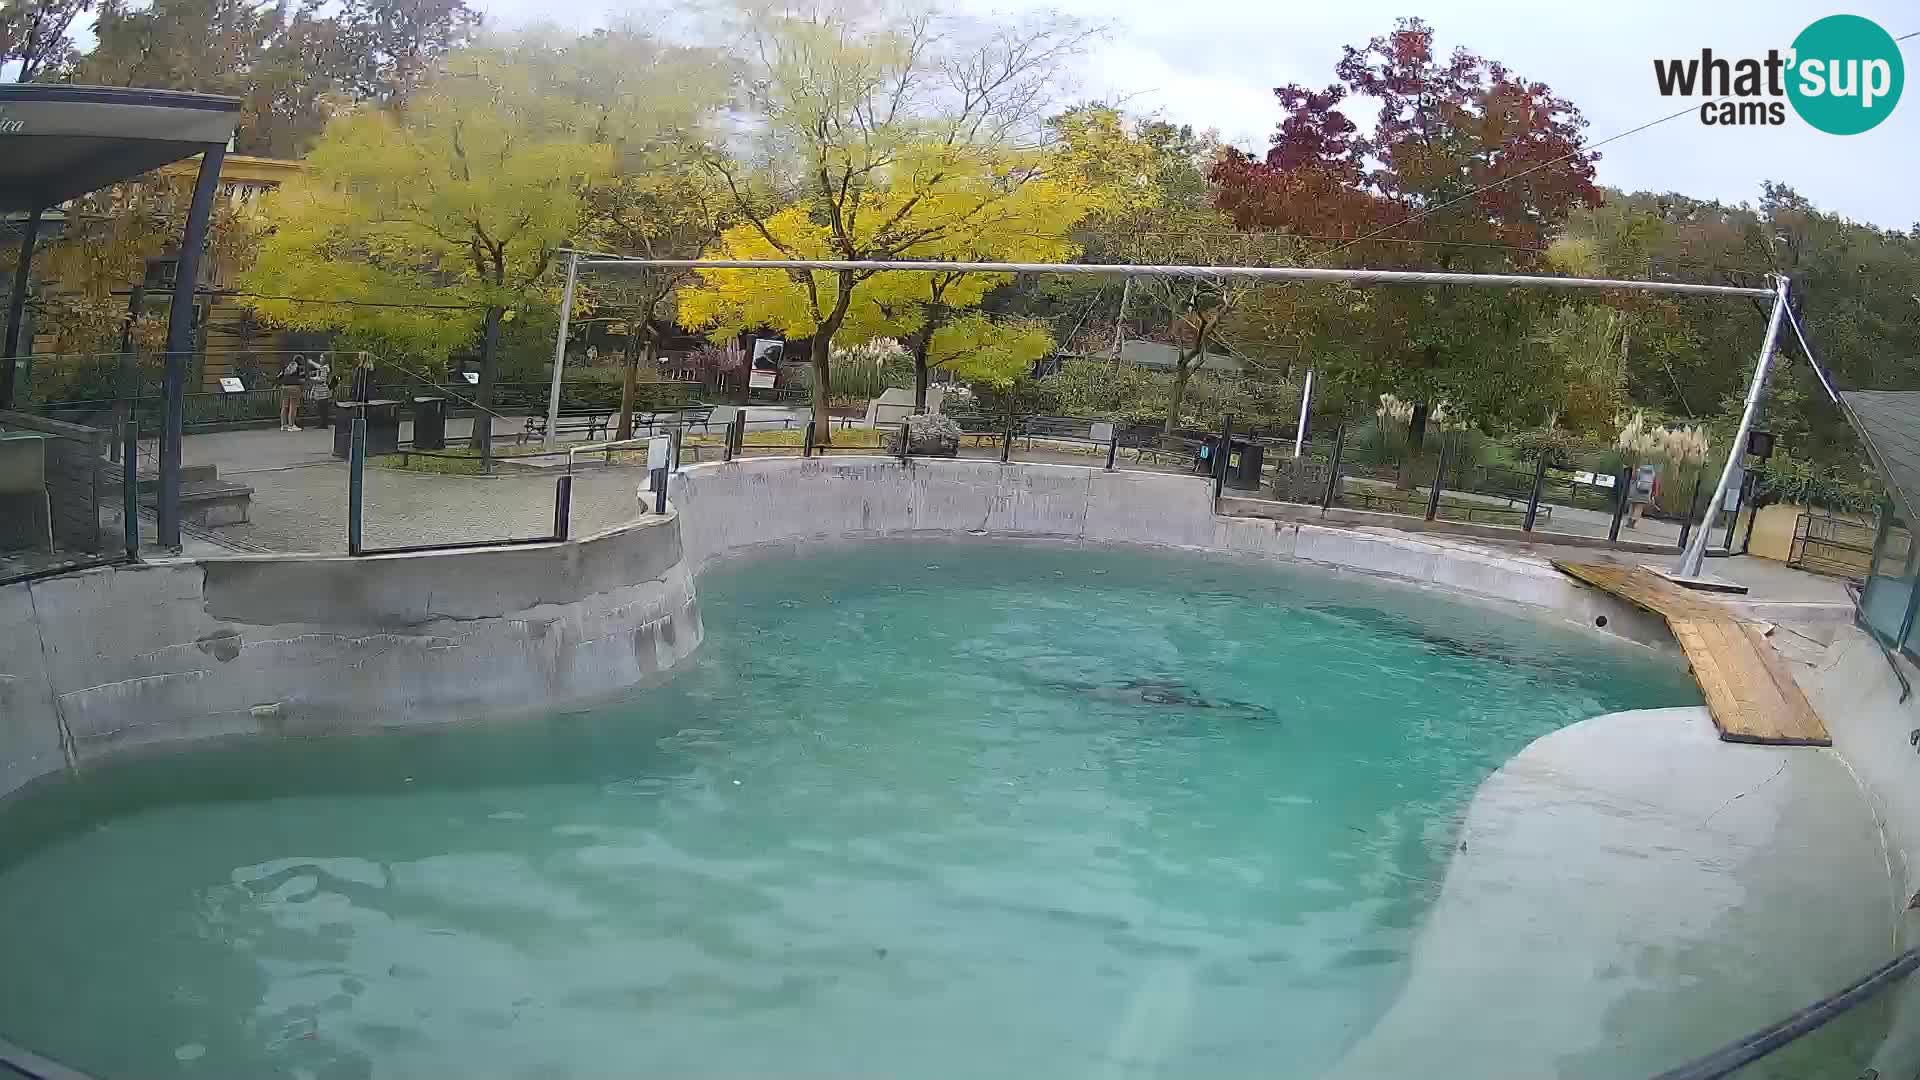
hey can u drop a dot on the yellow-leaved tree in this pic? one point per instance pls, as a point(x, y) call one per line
point(880, 135)
point(659, 103)
point(436, 222)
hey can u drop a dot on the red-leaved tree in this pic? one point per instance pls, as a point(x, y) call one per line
point(1468, 166)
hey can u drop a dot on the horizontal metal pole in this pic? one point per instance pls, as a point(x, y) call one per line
point(1258, 273)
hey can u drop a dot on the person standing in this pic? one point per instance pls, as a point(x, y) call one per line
point(362, 385)
point(293, 384)
point(1644, 490)
point(320, 388)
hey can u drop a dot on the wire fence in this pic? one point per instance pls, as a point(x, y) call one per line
point(425, 481)
point(1437, 481)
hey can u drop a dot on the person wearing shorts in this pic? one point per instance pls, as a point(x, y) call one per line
point(1642, 491)
point(293, 384)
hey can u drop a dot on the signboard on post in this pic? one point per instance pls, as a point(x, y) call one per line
point(472, 377)
point(1101, 432)
point(231, 385)
point(659, 456)
point(765, 369)
point(1731, 501)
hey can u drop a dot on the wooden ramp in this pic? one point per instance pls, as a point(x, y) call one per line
point(1748, 688)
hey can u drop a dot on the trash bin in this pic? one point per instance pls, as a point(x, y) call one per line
point(1243, 468)
point(343, 414)
point(429, 423)
point(383, 426)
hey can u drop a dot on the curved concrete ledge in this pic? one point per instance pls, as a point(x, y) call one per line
point(1857, 695)
point(1667, 892)
point(124, 657)
point(120, 657)
point(761, 505)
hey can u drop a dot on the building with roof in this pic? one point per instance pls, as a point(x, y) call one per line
point(61, 142)
point(1888, 421)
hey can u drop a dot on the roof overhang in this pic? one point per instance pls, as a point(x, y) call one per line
point(1888, 421)
point(58, 142)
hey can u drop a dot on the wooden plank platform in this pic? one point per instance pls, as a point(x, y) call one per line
point(1749, 691)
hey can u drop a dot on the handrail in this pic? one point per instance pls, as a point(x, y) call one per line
point(1743, 1052)
point(1858, 595)
point(616, 444)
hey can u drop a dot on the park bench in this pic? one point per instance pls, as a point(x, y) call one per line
point(1055, 427)
point(1153, 445)
point(979, 427)
point(690, 417)
point(594, 423)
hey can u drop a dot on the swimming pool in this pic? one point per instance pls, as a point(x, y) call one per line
point(914, 809)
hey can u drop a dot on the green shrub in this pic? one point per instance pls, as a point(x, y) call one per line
point(1022, 398)
point(1794, 481)
point(91, 377)
point(1556, 445)
point(595, 388)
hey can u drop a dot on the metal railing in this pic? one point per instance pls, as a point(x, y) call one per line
point(71, 520)
point(1740, 1053)
point(1438, 482)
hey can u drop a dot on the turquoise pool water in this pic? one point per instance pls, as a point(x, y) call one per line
point(914, 810)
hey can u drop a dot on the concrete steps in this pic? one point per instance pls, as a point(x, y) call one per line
point(205, 500)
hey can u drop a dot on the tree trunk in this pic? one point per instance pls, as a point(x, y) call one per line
point(630, 364)
point(489, 360)
point(822, 350)
point(822, 419)
point(1181, 369)
point(922, 345)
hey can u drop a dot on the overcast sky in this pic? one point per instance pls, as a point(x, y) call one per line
point(1214, 64)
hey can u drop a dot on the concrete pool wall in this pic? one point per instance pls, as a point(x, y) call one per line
point(1854, 688)
point(117, 658)
point(772, 504)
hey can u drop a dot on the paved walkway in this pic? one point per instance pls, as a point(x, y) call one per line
point(300, 503)
point(300, 495)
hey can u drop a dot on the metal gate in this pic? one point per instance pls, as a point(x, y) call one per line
point(1839, 546)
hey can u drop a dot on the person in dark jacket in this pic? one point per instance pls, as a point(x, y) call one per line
point(293, 386)
point(362, 388)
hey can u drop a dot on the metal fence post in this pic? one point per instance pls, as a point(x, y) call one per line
point(1533, 500)
point(678, 436)
point(1333, 468)
point(1223, 455)
point(1006, 445)
point(726, 441)
point(659, 491)
point(806, 447)
point(356, 482)
point(562, 504)
point(130, 485)
point(905, 436)
point(1113, 449)
point(1753, 515)
point(1620, 486)
point(1693, 504)
point(1439, 480)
